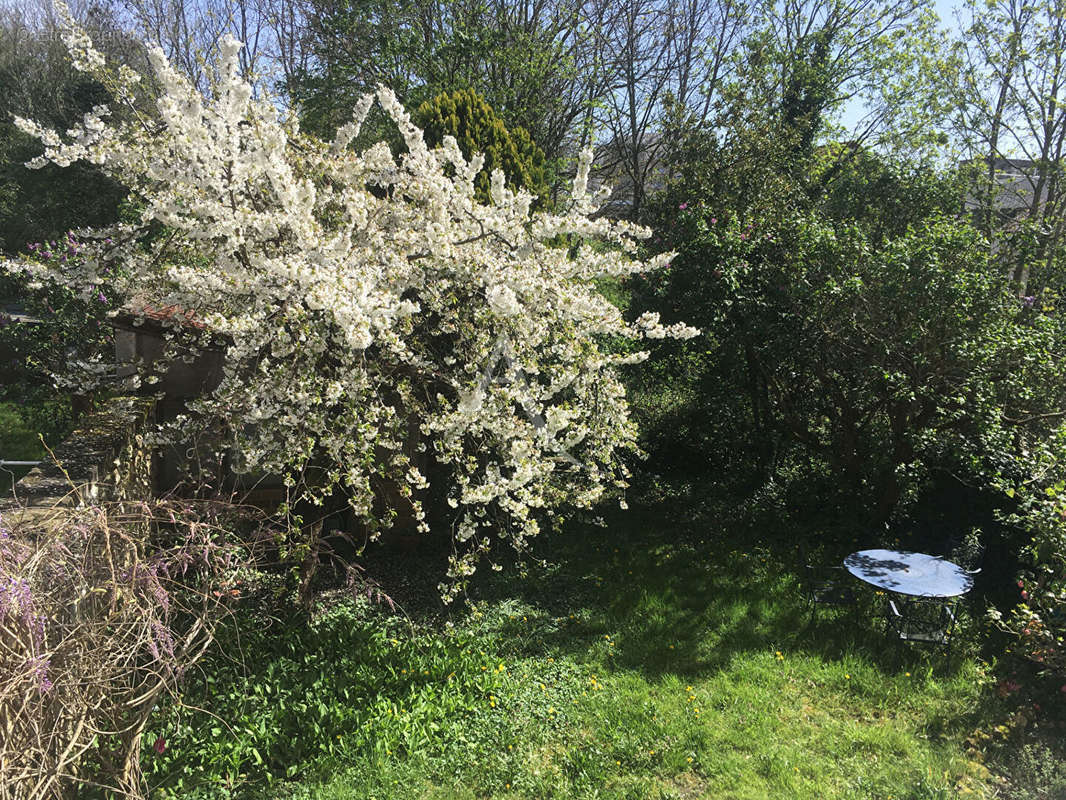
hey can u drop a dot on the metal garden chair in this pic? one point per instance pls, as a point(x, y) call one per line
point(923, 620)
point(825, 585)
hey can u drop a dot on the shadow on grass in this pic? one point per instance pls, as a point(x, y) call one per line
point(690, 606)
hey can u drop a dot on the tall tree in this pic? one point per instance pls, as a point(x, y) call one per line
point(664, 58)
point(1010, 119)
point(529, 60)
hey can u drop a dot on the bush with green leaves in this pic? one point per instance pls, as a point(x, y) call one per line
point(881, 361)
point(855, 325)
point(65, 328)
point(1038, 619)
point(466, 116)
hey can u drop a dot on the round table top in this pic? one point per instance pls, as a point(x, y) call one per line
point(915, 574)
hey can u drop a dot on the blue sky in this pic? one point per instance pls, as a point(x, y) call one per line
point(945, 9)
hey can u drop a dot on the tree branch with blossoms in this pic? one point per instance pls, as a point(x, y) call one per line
point(359, 297)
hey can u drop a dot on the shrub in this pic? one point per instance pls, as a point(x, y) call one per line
point(376, 323)
point(1038, 619)
point(103, 610)
point(464, 115)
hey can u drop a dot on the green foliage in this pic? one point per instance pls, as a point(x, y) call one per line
point(1037, 772)
point(353, 686)
point(478, 129)
point(883, 196)
point(68, 326)
point(39, 82)
point(1038, 618)
point(520, 60)
point(854, 324)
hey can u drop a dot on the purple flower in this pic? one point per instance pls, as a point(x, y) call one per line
point(1027, 302)
point(46, 253)
point(101, 297)
point(39, 665)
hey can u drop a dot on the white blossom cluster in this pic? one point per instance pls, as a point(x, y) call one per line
point(375, 317)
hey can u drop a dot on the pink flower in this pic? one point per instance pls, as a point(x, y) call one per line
point(1021, 584)
point(714, 220)
point(683, 206)
point(1025, 595)
point(160, 745)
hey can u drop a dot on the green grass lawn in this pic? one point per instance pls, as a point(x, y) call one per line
point(18, 442)
point(632, 665)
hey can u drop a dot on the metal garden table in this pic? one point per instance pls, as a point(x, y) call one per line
point(914, 574)
point(928, 584)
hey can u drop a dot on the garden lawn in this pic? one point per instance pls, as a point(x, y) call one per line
point(633, 664)
point(18, 442)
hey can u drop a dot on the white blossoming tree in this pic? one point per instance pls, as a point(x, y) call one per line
point(373, 315)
